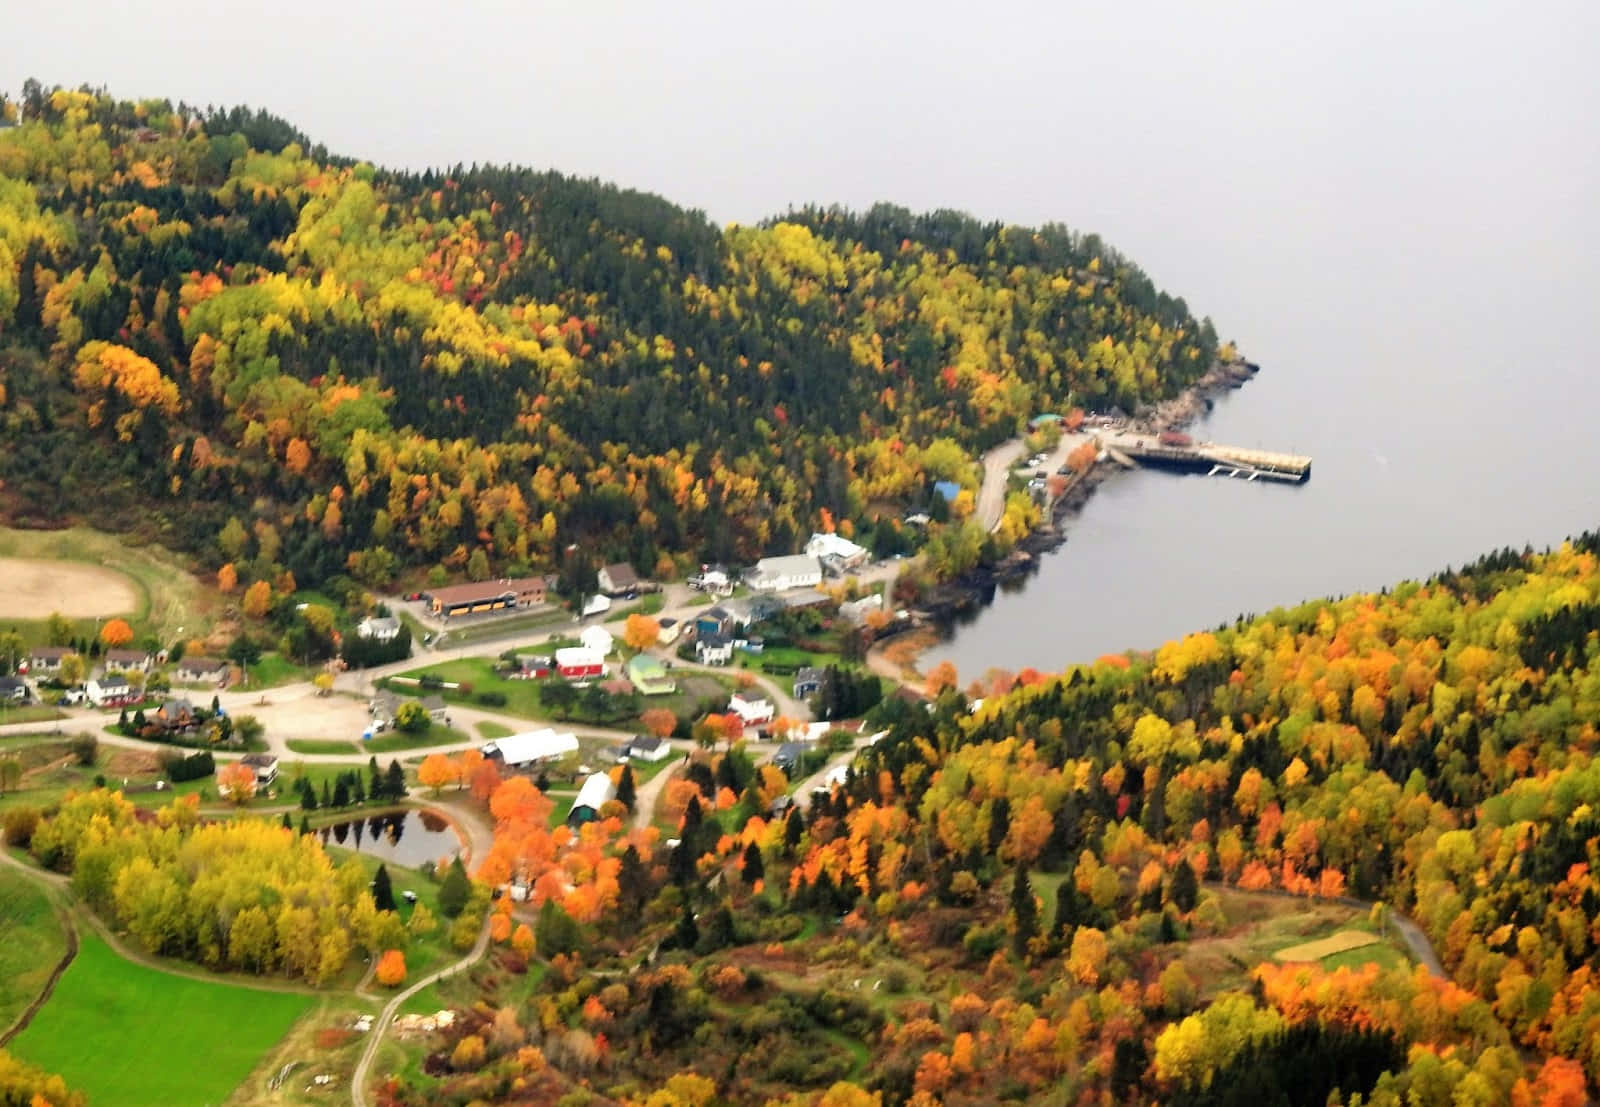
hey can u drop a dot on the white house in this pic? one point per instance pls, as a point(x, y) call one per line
point(518, 751)
point(598, 639)
point(597, 605)
point(380, 628)
point(111, 690)
point(837, 553)
point(617, 580)
point(780, 574)
point(752, 710)
point(127, 660)
point(713, 579)
point(713, 649)
point(647, 747)
point(47, 659)
point(670, 629)
point(201, 670)
point(856, 611)
point(265, 765)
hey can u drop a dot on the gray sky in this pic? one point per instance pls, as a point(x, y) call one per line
point(1223, 145)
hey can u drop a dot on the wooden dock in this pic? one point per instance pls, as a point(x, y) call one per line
point(1211, 458)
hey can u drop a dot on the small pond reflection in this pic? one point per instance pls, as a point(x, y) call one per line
point(405, 837)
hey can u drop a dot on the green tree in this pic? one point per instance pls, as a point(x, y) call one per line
point(754, 868)
point(627, 793)
point(86, 749)
point(556, 931)
point(1185, 889)
point(454, 890)
point(395, 781)
point(58, 629)
point(1024, 913)
point(412, 718)
point(382, 890)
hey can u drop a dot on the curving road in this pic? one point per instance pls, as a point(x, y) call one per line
point(358, 1079)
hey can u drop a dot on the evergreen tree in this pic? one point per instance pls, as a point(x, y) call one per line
point(382, 890)
point(305, 824)
point(395, 781)
point(375, 781)
point(1024, 913)
point(358, 790)
point(686, 935)
point(719, 932)
point(633, 884)
point(341, 793)
point(627, 793)
point(999, 822)
point(754, 868)
point(542, 782)
point(122, 720)
point(1185, 889)
point(308, 795)
point(794, 828)
point(454, 889)
point(327, 794)
point(287, 824)
point(680, 866)
point(1067, 906)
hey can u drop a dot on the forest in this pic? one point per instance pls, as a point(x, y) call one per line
point(1042, 885)
point(211, 326)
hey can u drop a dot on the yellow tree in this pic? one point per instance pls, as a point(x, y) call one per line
point(257, 598)
point(227, 578)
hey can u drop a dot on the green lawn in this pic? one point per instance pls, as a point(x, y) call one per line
point(34, 942)
point(492, 730)
point(33, 713)
point(314, 746)
point(1386, 956)
point(274, 669)
point(126, 1034)
point(396, 742)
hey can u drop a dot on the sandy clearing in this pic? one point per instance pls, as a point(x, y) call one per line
point(36, 589)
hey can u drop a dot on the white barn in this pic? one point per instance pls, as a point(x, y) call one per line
point(519, 751)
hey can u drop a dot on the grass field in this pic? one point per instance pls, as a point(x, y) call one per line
point(492, 730)
point(397, 742)
point(314, 746)
point(129, 1035)
point(274, 669)
point(168, 597)
point(34, 943)
point(1342, 941)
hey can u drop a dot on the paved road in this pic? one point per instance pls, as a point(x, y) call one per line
point(358, 1079)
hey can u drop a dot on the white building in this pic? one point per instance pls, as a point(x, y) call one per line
point(380, 628)
point(781, 574)
point(518, 751)
point(836, 553)
point(597, 639)
point(752, 710)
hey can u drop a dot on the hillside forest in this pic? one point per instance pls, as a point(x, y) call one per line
point(1047, 887)
point(211, 326)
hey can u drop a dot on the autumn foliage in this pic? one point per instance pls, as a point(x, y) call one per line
point(391, 971)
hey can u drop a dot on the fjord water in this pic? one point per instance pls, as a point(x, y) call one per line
point(1444, 421)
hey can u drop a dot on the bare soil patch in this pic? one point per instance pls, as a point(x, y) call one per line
point(35, 589)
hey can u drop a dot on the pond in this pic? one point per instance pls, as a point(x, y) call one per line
point(407, 838)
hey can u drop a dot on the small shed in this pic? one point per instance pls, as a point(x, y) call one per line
point(596, 792)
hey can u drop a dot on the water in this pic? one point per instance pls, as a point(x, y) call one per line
point(1435, 439)
point(406, 838)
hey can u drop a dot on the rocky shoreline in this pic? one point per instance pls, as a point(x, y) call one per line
point(965, 595)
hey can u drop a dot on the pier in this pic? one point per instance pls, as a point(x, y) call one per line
point(1177, 452)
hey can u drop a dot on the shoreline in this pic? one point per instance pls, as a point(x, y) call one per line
point(948, 604)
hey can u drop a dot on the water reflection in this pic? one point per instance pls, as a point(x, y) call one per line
point(404, 837)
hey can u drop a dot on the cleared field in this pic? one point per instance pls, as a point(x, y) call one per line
point(311, 747)
point(127, 1034)
point(166, 596)
point(34, 943)
point(1342, 942)
point(33, 589)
